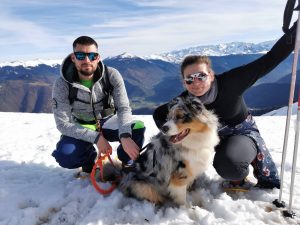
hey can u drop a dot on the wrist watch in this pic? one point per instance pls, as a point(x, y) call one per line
point(125, 135)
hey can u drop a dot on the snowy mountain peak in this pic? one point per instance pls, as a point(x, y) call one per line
point(127, 55)
point(32, 63)
point(124, 55)
point(232, 48)
point(176, 56)
point(158, 57)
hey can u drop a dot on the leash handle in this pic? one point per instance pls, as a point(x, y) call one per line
point(99, 164)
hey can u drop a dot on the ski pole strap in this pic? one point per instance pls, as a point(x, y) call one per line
point(288, 13)
point(99, 164)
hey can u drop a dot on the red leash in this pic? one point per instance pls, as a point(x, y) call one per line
point(99, 164)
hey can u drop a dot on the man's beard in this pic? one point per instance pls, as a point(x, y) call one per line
point(87, 72)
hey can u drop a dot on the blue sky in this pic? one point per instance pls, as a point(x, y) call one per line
point(46, 29)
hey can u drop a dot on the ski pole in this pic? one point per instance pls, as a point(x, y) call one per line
point(289, 212)
point(278, 202)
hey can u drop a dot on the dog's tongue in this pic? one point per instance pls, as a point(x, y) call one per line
point(180, 136)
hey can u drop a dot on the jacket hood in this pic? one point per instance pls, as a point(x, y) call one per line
point(68, 70)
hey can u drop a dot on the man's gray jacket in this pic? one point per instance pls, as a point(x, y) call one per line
point(88, 103)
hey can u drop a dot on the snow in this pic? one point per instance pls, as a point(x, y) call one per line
point(283, 111)
point(223, 49)
point(175, 56)
point(32, 63)
point(124, 55)
point(35, 190)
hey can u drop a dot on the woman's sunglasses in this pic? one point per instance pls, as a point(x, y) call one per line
point(91, 55)
point(200, 76)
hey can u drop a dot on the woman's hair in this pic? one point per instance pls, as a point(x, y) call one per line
point(195, 59)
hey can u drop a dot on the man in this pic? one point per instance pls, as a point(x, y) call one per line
point(241, 144)
point(80, 117)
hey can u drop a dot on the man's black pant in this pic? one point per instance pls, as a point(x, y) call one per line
point(72, 153)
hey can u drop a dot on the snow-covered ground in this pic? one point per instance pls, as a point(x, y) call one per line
point(35, 190)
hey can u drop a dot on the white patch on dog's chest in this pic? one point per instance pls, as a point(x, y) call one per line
point(198, 160)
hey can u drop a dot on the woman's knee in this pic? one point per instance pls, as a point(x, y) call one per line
point(230, 170)
point(233, 157)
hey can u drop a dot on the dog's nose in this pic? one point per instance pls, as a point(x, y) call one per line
point(165, 129)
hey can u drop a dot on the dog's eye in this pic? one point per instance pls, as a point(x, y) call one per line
point(184, 118)
point(179, 116)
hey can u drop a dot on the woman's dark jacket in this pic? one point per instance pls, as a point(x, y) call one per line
point(228, 103)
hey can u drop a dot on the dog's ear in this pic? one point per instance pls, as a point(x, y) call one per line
point(195, 105)
point(173, 102)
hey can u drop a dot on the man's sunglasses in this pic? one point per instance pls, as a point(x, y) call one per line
point(81, 55)
point(200, 76)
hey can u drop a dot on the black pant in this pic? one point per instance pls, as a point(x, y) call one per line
point(233, 156)
point(73, 153)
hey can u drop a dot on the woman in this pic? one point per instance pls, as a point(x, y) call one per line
point(241, 143)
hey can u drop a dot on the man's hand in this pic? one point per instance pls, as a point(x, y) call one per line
point(103, 145)
point(130, 147)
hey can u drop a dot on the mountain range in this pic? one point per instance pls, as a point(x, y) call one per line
point(150, 80)
point(232, 48)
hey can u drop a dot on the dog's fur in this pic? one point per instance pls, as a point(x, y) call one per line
point(176, 156)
